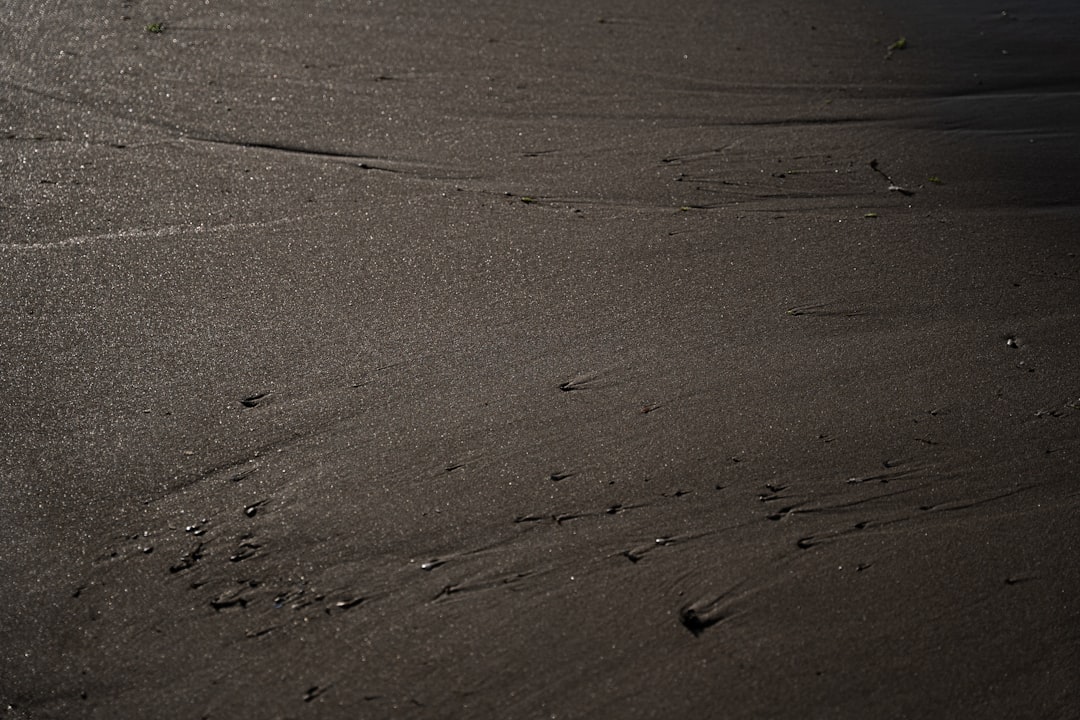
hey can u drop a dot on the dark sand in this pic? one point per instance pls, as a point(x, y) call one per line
point(522, 360)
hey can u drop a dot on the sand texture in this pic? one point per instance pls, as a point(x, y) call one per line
point(514, 360)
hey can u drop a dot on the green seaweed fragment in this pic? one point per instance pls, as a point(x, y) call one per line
point(870, 215)
point(898, 45)
point(936, 180)
point(155, 28)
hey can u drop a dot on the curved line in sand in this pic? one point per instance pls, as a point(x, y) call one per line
point(167, 231)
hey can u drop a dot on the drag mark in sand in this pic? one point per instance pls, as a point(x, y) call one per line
point(363, 162)
point(837, 507)
point(437, 561)
point(1059, 410)
point(772, 494)
point(692, 155)
point(898, 517)
point(504, 580)
point(255, 400)
point(700, 615)
point(233, 598)
point(314, 691)
point(637, 553)
point(247, 549)
point(230, 472)
point(292, 150)
point(892, 185)
point(586, 381)
point(826, 309)
point(253, 509)
point(890, 474)
point(303, 600)
point(968, 504)
point(188, 560)
point(347, 604)
point(563, 517)
point(239, 470)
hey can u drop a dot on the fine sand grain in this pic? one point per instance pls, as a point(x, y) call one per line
point(519, 360)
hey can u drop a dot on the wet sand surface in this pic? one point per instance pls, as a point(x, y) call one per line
point(482, 359)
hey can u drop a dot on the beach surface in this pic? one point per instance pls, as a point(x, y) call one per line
point(562, 360)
